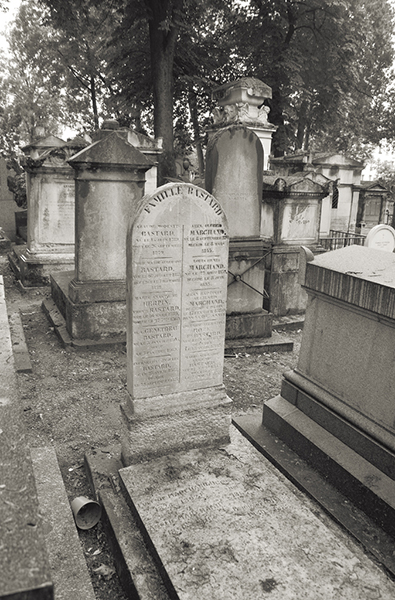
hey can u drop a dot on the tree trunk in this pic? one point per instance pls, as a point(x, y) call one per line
point(279, 144)
point(196, 129)
point(302, 123)
point(162, 47)
point(92, 89)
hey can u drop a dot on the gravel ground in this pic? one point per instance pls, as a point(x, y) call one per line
point(71, 401)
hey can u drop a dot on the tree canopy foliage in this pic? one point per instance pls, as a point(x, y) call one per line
point(153, 64)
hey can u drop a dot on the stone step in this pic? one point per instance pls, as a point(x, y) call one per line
point(57, 321)
point(25, 570)
point(275, 343)
point(66, 558)
point(288, 323)
point(13, 259)
point(136, 569)
point(363, 483)
point(21, 354)
point(315, 485)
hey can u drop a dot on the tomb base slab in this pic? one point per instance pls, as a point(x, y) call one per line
point(175, 422)
point(286, 296)
point(34, 270)
point(222, 524)
point(249, 325)
point(366, 485)
point(88, 323)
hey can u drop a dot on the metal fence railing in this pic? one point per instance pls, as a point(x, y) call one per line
point(340, 239)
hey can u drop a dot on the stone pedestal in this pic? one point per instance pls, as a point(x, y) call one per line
point(337, 407)
point(50, 200)
point(176, 307)
point(291, 211)
point(245, 316)
point(109, 181)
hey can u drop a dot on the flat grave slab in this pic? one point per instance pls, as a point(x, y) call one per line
point(225, 525)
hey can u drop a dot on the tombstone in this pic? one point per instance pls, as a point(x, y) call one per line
point(381, 237)
point(50, 211)
point(336, 409)
point(291, 212)
point(375, 206)
point(234, 165)
point(177, 252)
point(343, 170)
point(109, 181)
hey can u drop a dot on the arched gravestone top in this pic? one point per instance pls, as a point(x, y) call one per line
point(177, 254)
point(381, 237)
point(234, 169)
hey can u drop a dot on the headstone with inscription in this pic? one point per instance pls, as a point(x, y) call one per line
point(177, 253)
point(381, 237)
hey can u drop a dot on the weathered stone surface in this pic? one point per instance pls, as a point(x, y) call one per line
point(336, 408)
point(109, 177)
point(177, 270)
point(224, 525)
point(68, 567)
point(24, 572)
point(249, 325)
point(234, 176)
point(109, 180)
point(362, 277)
point(246, 276)
point(348, 337)
point(50, 199)
point(19, 348)
point(181, 429)
point(176, 311)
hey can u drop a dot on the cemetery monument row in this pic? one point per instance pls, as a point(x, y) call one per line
point(177, 253)
point(109, 180)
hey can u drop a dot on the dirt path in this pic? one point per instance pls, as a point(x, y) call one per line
point(71, 401)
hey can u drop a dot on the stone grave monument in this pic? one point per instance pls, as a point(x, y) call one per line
point(109, 181)
point(216, 521)
point(234, 169)
point(151, 147)
point(50, 211)
point(177, 252)
point(336, 409)
point(291, 212)
point(381, 237)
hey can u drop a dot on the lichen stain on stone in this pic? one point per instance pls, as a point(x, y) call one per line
point(268, 585)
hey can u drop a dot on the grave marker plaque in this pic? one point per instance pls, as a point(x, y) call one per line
point(178, 292)
point(177, 255)
point(381, 237)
